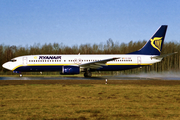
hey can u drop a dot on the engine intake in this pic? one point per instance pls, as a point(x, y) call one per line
point(70, 70)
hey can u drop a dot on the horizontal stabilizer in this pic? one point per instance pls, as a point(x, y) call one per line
point(162, 56)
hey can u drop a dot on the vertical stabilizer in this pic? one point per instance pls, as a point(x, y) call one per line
point(154, 45)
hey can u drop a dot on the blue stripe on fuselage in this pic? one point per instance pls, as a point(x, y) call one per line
point(117, 67)
point(59, 68)
point(38, 68)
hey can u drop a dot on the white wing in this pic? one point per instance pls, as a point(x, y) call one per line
point(97, 64)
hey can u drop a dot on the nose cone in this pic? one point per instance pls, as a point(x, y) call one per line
point(7, 66)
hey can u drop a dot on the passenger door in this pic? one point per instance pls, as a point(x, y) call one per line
point(25, 60)
point(138, 60)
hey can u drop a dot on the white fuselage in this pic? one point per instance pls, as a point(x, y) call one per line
point(33, 61)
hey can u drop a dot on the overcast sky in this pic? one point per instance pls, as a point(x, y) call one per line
point(75, 22)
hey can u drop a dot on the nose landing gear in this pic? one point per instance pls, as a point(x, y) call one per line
point(19, 72)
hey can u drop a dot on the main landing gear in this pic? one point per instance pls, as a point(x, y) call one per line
point(87, 74)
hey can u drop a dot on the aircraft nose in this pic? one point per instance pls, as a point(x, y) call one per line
point(6, 65)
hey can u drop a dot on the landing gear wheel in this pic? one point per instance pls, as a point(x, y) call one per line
point(87, 74)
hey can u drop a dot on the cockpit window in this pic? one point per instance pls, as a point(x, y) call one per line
point(13, 60)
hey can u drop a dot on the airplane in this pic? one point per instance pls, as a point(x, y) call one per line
point(74, 64)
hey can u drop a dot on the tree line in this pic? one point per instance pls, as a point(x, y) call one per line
point(109, 47)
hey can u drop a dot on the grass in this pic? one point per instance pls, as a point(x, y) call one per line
point(90, 101)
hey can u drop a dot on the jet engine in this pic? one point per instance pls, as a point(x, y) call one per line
point(70, 70)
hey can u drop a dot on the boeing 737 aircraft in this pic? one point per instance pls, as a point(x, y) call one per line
point(74, 64)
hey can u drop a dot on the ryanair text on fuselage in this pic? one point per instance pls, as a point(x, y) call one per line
point(49, 57)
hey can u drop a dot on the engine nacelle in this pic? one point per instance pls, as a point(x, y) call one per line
point(70, 70)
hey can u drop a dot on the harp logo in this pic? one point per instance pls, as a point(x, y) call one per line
point(156, 43)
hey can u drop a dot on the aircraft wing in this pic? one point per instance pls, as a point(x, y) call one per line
point(97, 64)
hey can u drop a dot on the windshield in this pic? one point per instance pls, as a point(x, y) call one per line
point(13, 60)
